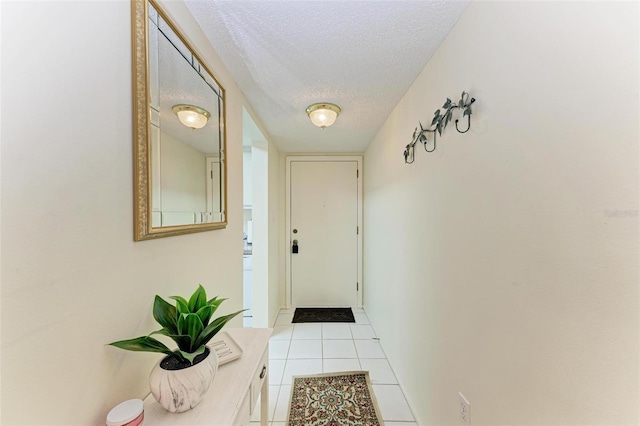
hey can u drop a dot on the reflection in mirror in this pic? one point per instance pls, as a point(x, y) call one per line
point(185, 165)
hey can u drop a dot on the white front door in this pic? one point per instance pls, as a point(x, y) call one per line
point(324, 226)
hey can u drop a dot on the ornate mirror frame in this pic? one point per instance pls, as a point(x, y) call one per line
point(143, 229)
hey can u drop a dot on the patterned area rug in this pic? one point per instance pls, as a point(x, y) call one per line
point(336, 399)
point(323, 315)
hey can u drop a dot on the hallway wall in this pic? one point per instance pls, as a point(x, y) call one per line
point(276, 195)
point(266, 243)
point(72, 277)
point(505, 264)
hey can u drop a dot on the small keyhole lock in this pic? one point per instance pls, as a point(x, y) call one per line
point(294, 247)
point(295, 231)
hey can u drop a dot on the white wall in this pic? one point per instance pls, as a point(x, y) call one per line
point(266, 196)
point(282, 230)
point(260, 247)
point(72, 277)
point(247, 179)
point(497, 266)
point(184, 176)
point(274, 210)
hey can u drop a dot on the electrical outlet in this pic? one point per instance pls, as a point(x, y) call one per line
point(465, 409)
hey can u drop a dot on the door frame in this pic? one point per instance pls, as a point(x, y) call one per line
point(320, 158)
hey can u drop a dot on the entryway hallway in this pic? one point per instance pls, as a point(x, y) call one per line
point(313, 348)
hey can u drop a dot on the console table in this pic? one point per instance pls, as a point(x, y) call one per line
point(234, 392)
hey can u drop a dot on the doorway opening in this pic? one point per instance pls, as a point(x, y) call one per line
point(247, 235)
point(255, 162)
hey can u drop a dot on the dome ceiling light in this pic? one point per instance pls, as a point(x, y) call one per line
point(323, 114)
point(191, 116)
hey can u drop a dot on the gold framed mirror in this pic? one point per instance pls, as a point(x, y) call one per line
point(179, 132)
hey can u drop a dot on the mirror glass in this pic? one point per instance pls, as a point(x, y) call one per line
point(184, 181)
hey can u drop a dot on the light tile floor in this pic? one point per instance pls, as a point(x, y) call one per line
point(298, 349)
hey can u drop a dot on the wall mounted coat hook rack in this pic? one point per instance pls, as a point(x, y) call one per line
point(438, 124)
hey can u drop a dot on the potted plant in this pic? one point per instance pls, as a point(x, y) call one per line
point(181, 379)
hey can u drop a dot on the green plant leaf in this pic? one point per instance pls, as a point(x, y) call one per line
point(447, 104)
point(194, 328)
point(212, 300)
point(198, 299)
point(215, 304)
point(190, 356)
point(142, 344)
point(467, 111)
point(182, 340)
point(440, 128)
point(213, 328)
point(165, 314)
point(205, 314)
point(181, 304)
point(435, 120)
point(180, 327)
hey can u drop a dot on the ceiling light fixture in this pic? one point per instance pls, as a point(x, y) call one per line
point(191, 116)
point(323, 114)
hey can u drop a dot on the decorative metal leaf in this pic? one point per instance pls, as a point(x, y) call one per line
point(441, 118)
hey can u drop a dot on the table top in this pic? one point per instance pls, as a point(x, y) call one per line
point(226, 394)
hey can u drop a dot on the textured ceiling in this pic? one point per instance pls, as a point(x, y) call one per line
point(361, 55)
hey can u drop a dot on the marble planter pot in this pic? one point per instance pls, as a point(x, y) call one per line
point(181, 390)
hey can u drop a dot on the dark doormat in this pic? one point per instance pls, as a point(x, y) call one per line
point(323, 315)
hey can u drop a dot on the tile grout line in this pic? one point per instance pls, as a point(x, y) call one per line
point(322, 346)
